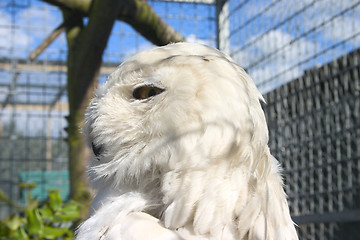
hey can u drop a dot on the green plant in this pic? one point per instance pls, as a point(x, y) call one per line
point(52, 219)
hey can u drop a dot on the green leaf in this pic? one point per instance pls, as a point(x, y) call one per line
point(21, 234)
point(27, 185)
point(5, 199)
point(35, 224)
point(70, 236)
point(65, 217)
point(72, 206)
point(4, 230)
point(32, 203)
point(52, 233)
point(39, 223)
point(13, 222)
point(46, 213)
point(69, 212)
point(55, 201)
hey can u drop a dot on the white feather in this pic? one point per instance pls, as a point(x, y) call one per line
point(189, 163)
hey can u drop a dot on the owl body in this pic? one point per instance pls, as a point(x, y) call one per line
point(180, 143)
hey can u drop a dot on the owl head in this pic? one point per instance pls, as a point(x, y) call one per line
point(175, 107)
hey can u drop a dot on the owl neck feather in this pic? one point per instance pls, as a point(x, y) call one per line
point(210, 200)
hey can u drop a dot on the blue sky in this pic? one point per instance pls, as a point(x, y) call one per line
point(291, 36)
point(32, 24)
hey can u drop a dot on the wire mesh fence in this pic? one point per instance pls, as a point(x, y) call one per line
point(315, 133)
point(275, 41)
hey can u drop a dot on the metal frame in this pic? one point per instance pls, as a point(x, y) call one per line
point(223, 31)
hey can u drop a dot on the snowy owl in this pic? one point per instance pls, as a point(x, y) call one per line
point(180, 152)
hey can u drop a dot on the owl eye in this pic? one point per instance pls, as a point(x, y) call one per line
point(96, 149)
point(146, 92)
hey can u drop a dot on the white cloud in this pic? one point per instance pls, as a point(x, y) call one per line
point(147, 45)
point(282, 44)
point(265, 76)
point(319, 14)
point(192, 38)
point(136, 49)
point(40, 20)
point(11, 37)
point(283, 53)
point(31, 26)
point(342, 29)
point(276, 55)
point(4, 36)
point(333, 20)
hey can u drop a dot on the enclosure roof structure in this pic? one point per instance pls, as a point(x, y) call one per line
point(19, 70)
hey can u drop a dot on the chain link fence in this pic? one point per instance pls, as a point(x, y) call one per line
point(277, 40)
point(314, 124)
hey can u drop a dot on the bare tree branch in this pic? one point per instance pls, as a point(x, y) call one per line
point(137, 13)
point(86, 45)
point(48, 40)
point(81, 6)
